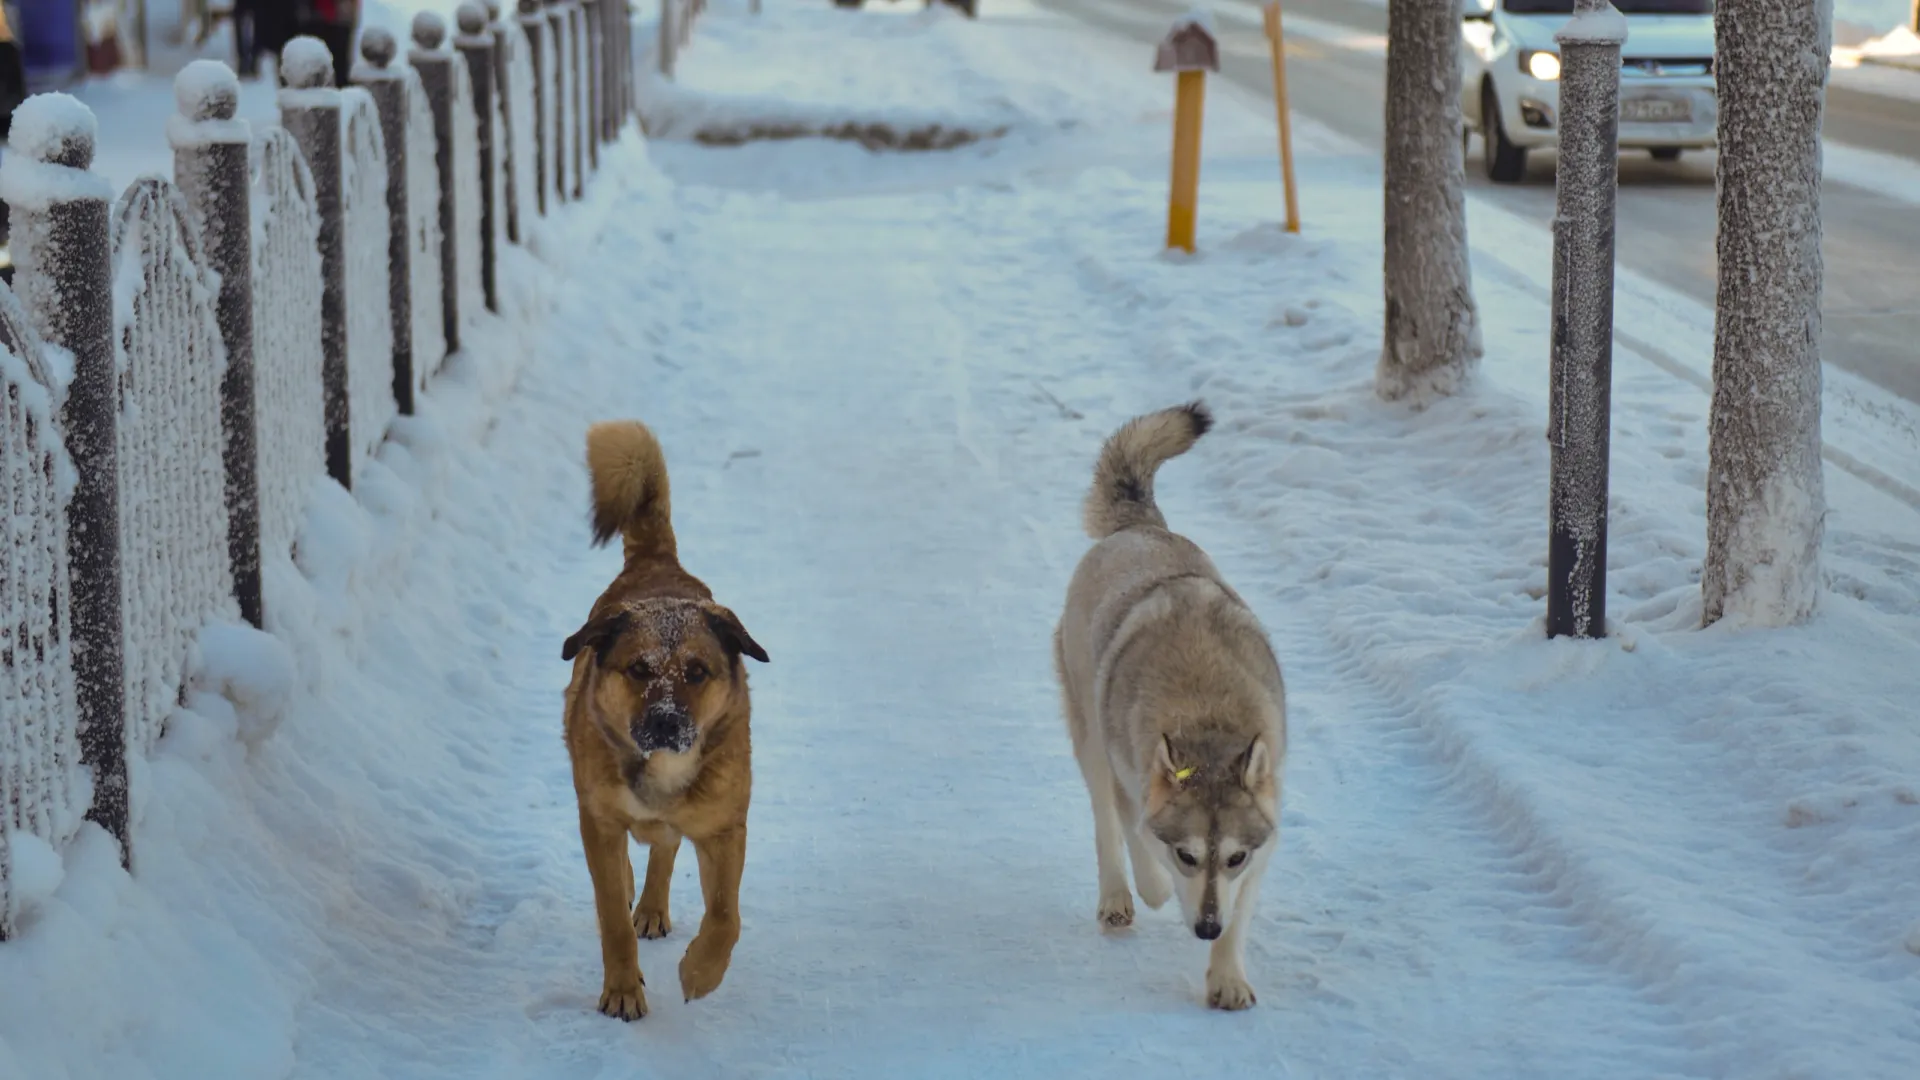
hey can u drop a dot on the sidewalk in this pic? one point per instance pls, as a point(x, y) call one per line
point(881, 380)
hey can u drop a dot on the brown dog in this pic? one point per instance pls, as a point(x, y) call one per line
point(657, 717)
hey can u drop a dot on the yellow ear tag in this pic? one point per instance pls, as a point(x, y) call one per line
point(1182, 774)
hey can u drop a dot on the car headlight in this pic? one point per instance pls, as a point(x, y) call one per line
point(1544, 66)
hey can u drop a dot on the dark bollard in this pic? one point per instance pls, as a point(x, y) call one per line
point(310, 111)
point(63, 251)
point(387, 85)
point(435, 66)
point(534, 24)
point(1582, 325)
point(476, 47)
point(210, 166)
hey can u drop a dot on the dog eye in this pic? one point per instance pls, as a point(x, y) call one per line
point(1186, 857)
point(1236, 859)
point(696, 673)
point(640, 671)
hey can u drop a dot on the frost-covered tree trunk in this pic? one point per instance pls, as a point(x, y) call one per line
point(1765, 492)
point(1432, 338)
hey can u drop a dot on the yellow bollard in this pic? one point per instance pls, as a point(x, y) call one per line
point(1275, 39)
point(1189, 99)
point(1190, 50)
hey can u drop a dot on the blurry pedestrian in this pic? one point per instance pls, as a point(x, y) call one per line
point(333, 22)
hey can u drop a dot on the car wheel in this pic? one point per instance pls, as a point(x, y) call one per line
point(1665, 153)
point(1505, 162)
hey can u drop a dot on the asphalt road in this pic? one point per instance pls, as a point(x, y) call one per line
point(1666, 212)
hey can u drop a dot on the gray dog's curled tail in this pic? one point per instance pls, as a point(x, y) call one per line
point(1122, 493)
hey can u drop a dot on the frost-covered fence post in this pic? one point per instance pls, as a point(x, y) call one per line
point(387, 85)
point(534, 24)
point(62, 246)
point(505, 88)
point(1582, 328)
point(669, 41)
point(1431, 337)
point(310, 111)
point(1766, 495)
point(576, 68)
point(629, 79)
point(591, 73)
point(476, 47)
point(562, 89)
point(436, 74)
point(210, 165)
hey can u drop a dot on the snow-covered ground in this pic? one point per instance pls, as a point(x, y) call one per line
point(880, 381)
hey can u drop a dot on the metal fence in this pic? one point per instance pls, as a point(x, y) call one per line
point(183, 363)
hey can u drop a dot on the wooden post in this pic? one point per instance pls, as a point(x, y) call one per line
point(1276, 41)
point(1189, 49)
point(210, 166)
point(310, 111)
point(63, 248)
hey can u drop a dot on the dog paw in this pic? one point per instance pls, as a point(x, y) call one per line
point(628, 1002)
point(1229, 992)
point(651, 924)
point(1152, 884)
point(702, 969)
point(1116, 912)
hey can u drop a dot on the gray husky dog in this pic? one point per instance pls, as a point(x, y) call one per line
point(1176, 707)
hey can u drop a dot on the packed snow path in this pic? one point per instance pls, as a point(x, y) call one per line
point(868, 469)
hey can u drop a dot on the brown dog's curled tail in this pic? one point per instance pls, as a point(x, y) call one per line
point(1122, 492)
point(630, 489)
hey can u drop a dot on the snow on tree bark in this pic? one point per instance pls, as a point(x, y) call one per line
point(1765, 490)
point(290, 400)
point(176, 574)
point(1432, 333)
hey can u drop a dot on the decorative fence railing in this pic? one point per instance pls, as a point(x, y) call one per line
point(183, 363)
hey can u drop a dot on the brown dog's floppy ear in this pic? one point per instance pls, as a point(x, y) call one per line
point(733, 636)
point(597, 635)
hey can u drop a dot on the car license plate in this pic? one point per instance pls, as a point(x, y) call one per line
point(1656, 110)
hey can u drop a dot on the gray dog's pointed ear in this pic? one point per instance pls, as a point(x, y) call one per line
point(1256, 764)
point(599, 634)
point(733, 636)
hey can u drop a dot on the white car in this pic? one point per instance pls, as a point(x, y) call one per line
point(1510, 78)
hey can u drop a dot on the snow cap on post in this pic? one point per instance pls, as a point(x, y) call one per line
point(471, 19)
point(207, 90)
point(208, 96)
point(1190, 45)
point(378, 48)
point(52, 139)
point(1593, 24)
point(306, 64)
point(429, 31)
